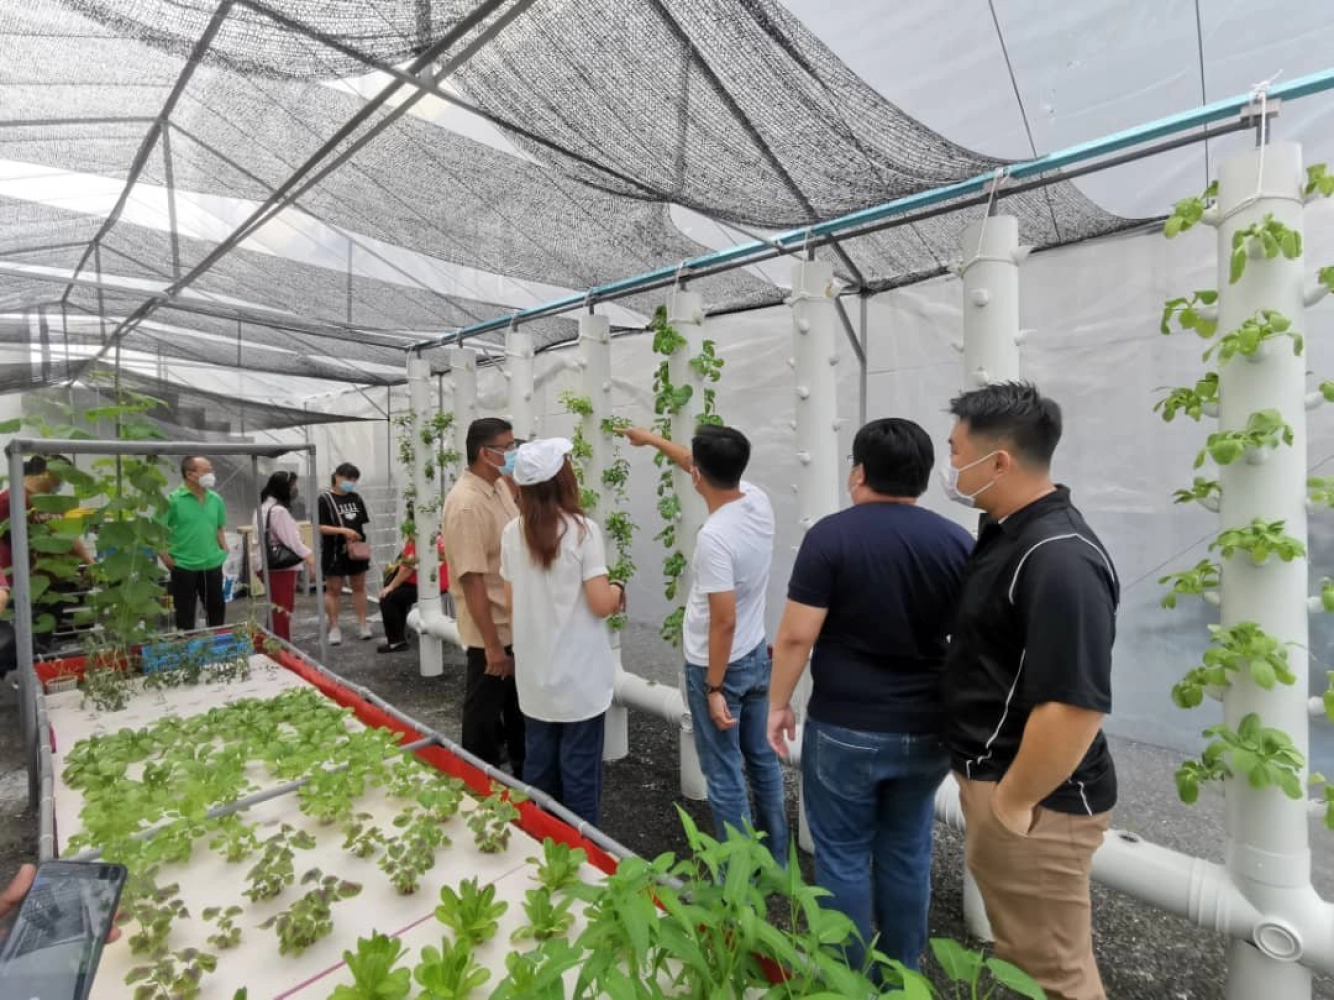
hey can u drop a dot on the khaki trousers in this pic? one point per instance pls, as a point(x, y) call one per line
point(1036, 890)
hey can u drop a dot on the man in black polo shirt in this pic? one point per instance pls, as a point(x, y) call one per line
point(1027, 683)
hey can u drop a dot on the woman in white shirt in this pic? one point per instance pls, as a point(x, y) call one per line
point(554, 565)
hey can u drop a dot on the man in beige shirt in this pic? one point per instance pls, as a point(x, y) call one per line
point(476, 512)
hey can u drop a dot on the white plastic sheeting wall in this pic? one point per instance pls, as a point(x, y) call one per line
point(1093, 312)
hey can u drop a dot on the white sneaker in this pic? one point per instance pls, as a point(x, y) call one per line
point(366, 632)
point(335, 637)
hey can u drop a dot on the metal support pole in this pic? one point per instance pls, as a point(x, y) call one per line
point(22, 595)
point(595, 362)
point(519, 372)
point(815, 317)
point(990, 272)
point(865, 359)
point(685, 312)
point(262, 545)
point(430, 646)
point(1268, 855)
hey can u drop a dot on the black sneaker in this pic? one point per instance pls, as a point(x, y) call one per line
point(391, 647)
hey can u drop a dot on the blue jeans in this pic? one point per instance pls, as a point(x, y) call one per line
point(564, 759)
point(727, 757)
point(869, 803)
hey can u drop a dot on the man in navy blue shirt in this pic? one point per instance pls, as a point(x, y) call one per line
point(873, 591)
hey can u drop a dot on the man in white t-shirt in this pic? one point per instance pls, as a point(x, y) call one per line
point(727, 658)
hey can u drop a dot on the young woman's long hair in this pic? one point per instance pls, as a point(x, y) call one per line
point(545, 508)
point(279, 487)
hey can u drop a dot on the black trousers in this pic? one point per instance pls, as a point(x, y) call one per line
point(491, 715)
point(191, 586)
point(394, 608)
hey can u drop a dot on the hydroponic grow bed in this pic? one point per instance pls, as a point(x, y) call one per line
point(208, 880)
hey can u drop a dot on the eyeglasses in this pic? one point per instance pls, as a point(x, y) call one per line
point(851, 460)
point(502, 451)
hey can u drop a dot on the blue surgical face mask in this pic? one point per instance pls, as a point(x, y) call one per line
point(347, 486)
point(506, 468)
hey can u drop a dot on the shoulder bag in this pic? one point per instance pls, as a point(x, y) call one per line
point(278, 555)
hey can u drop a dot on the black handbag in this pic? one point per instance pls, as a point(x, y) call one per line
point(278, 555)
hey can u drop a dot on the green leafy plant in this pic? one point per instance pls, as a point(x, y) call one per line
point(310, 918)
point(1326, 791)
point(1241, 647)
point(1193, 401)
point(1261, 539)
point(1189, 211)
point(154, 912)
point(490, 821)
point(228, 935)
point(1206, 492)
point(1265, 429)
point(1319, 181)
point(449, 972)
point(174, 976)
point(1197, 581)
point(1192, 313)
point(374, 972)
point(1267, 757)
point(235, 839)
point(547, 917)
point(538, 974)
point(1246, 340)
point(1267, 238)
point(559, 866)
point(411, 854)
point(471, 912)
point(361, 838)
point(275, 870)
point(981, 975)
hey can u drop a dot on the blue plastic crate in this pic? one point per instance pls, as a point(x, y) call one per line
point(204, 649)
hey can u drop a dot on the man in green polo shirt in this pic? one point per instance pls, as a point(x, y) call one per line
point(197, 519)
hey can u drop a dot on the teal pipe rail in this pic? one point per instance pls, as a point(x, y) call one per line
point(743, 253)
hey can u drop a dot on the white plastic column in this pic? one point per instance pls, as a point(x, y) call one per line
point(990, 273)
point(685, 312)
point(820, 473)
point(463, 373)
point(428, 561)
point(519, 372)
point(595, 361)
point(1267, 850)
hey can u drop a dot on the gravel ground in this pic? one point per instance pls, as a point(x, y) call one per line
point(1144, 954)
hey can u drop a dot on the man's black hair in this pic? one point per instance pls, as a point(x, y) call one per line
point(721, 455)
point(188, 464)
point(481, 433)
point(38, 464)
point(896, 457)
point(347, 470)
point(1015, 413)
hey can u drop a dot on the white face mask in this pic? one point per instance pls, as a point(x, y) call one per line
point(208, 480)
point(949, 480)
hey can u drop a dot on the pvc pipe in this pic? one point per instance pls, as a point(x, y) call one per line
point(685, 312)
point(595, 377)
point(519, 370)
point(463, 373)
point(431, 619)
point(1268, 855)
point(990, 272)
point(990, 258)
point(816, 423)
point(438, 626)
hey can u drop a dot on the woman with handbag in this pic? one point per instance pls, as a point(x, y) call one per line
point(284, 552)
point(346, 554)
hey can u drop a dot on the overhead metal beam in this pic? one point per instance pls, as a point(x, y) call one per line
point(155, 129)
point(433, 88)
point(1065, 164)
point(57, 122)
point(311, 172)
point(377, 336)
point(853, 339)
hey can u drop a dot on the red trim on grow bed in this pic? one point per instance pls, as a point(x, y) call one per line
point(533, 820)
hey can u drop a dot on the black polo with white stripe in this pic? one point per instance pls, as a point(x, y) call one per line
point(1036, 621)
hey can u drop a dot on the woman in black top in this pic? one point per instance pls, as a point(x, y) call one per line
point(343, 519)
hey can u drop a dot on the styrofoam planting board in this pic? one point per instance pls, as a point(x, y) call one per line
point(209, 880)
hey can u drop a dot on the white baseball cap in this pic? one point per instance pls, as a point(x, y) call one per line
point(538, 461)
